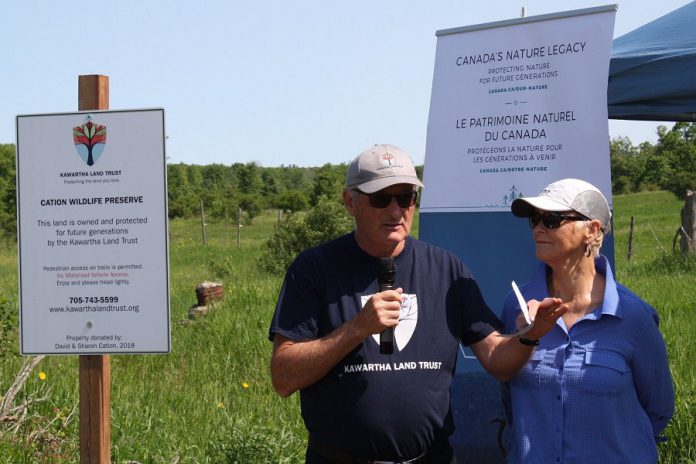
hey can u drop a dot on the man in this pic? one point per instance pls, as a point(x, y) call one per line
point(360, 406)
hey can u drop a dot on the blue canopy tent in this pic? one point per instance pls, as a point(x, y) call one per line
point(652, 73)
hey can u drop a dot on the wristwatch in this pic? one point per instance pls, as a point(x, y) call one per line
point(527, 341)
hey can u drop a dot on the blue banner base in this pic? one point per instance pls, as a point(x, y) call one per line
point(476, 408)
point(497, 248)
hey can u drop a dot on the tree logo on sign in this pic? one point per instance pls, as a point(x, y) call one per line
point(511, 196)
point(89, 139)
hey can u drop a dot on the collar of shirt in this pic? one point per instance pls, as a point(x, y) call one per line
point(610, 304)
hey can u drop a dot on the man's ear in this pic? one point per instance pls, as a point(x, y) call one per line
point(348, 201)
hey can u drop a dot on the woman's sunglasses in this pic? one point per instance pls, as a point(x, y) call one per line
point(382, 200)
point(551, 219)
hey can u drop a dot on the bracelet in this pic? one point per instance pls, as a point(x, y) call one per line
point(527, 341)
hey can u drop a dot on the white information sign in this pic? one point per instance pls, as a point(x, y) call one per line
point(93, 248)
point(516, 105)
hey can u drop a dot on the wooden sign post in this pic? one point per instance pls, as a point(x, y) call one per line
point(95, 370)
point(95, 301)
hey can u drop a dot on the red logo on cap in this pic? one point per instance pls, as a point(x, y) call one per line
point(388, 157)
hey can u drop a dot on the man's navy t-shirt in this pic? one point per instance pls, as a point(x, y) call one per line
point(374, 405)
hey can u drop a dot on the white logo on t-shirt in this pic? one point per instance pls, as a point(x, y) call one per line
point(408, 317)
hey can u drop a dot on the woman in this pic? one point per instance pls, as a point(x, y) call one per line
point(597, 387)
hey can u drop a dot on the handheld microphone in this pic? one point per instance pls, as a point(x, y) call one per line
point(386, 274)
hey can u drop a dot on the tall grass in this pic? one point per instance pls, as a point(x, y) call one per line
point(210, 400)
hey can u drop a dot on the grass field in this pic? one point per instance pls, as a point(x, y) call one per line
point(670, 286)
point(210, 400)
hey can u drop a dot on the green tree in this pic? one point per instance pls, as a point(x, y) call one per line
point(677, 150)
point(8, 192)
point(249, 179)
point(194, 174)
point(217, 177)
point(272, 186)
point(328, 183)
point(295, 177)
point(272, 183)
point(219, 191)
point(627, 165)
point(181, 197)
point(657, 167)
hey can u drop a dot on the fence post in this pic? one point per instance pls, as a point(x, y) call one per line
point(630, 239)
point(203, 223)
point(239, 227)
point(280, 217)
point(688, 224)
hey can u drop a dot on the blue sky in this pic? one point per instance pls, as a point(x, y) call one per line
point(275, 82)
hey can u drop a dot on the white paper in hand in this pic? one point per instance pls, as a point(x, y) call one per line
point(521, 302)
point(523, 307)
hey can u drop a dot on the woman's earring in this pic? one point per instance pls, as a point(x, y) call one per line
point(588, 249)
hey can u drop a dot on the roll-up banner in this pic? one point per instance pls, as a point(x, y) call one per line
point(515, 105)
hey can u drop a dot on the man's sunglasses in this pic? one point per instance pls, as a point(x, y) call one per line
point(551, 219)
point(382, 200)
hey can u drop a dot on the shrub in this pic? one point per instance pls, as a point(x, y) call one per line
point(9, 321)
point(253, 443)
point(251, 205)
point(292, 201)
point(324, 222)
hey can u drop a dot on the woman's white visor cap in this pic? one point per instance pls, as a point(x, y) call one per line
point(567, 195)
